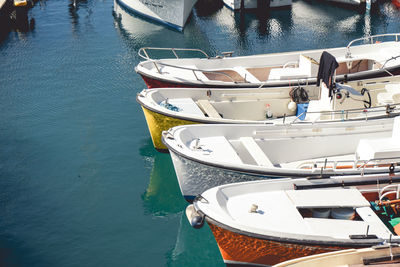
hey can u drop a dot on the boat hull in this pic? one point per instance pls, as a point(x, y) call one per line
point(157, 123)
point(239, 249)
point(173, 13)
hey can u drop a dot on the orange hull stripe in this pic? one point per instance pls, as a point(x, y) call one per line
point(245, 249)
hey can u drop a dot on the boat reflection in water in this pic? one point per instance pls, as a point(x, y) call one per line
point(318, 18)
point(193, 247)
point(162, 196)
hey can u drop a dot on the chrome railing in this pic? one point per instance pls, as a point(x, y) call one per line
point(344, 114)
point(351, 164)
point(143, 51)
point(371, 40)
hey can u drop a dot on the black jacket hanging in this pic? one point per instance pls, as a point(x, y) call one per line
point(326, 70)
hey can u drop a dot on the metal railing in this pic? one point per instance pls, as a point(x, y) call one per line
point(143, 51)
point(371, 40)
point(385, 110)
point(351, 164)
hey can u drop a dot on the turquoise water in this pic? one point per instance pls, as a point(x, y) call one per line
point(81, 184)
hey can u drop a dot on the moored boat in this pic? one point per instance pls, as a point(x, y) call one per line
point(387, 255)
point(378, 58)
point(262, 223)
point(360, 4)
point(173, 13)
point(256, 4)
point(205, 156)
point(165, 108)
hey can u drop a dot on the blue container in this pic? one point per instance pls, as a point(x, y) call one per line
point(302, 108)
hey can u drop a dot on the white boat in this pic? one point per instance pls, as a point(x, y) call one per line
point(363, 4)
point(173, 13)
point(262, 223)
point(165, 108)
point(387, 255)
point(252, 4)
point(355, 62)
point(205, 156)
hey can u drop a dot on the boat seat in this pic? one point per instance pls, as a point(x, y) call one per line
point(322, 104)
point(218, 148)
point(256, 152)
point(369, 216)
point(305, 70)
point(186, 105)
point(382, 148)
point(247, 76)
point(208, 108)
point(391, 96)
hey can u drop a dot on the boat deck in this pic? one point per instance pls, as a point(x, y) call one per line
point(279, 212)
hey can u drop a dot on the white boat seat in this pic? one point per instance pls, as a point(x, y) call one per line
point(208, 108)
point(256, 152)
point(382, 148)
point(218, 148)
point(327, 198)
point(337, 228)
point(391, 96)
point(369, 216)
point(186, 105)
point(304, 70)
point(322, 104)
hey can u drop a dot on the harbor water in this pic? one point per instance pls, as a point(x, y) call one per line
point(80, 181)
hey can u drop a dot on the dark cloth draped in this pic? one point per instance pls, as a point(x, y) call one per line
point(327, 67)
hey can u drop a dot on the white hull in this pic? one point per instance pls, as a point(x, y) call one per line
point(290, 147)
point(173, 13)
point(251, 4)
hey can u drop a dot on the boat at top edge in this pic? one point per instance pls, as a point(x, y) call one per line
point(385, 255)
point(173, 13)
point(205, 156)
point(266, 222)
point(165, 108)
point(378, 58)
point(257, 4)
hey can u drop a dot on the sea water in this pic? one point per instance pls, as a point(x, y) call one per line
point(80, 182)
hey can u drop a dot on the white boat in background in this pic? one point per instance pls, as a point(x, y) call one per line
point(262, 223)
point(362, 4)
point(173, 13)
point(252, 4)
point(386, 255)
point(371, 59)
point(205, 156)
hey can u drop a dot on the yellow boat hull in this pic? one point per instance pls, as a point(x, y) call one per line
point(157, 123)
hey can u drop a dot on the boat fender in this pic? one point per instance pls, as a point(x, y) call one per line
point(292, 106)
point(195, 219)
